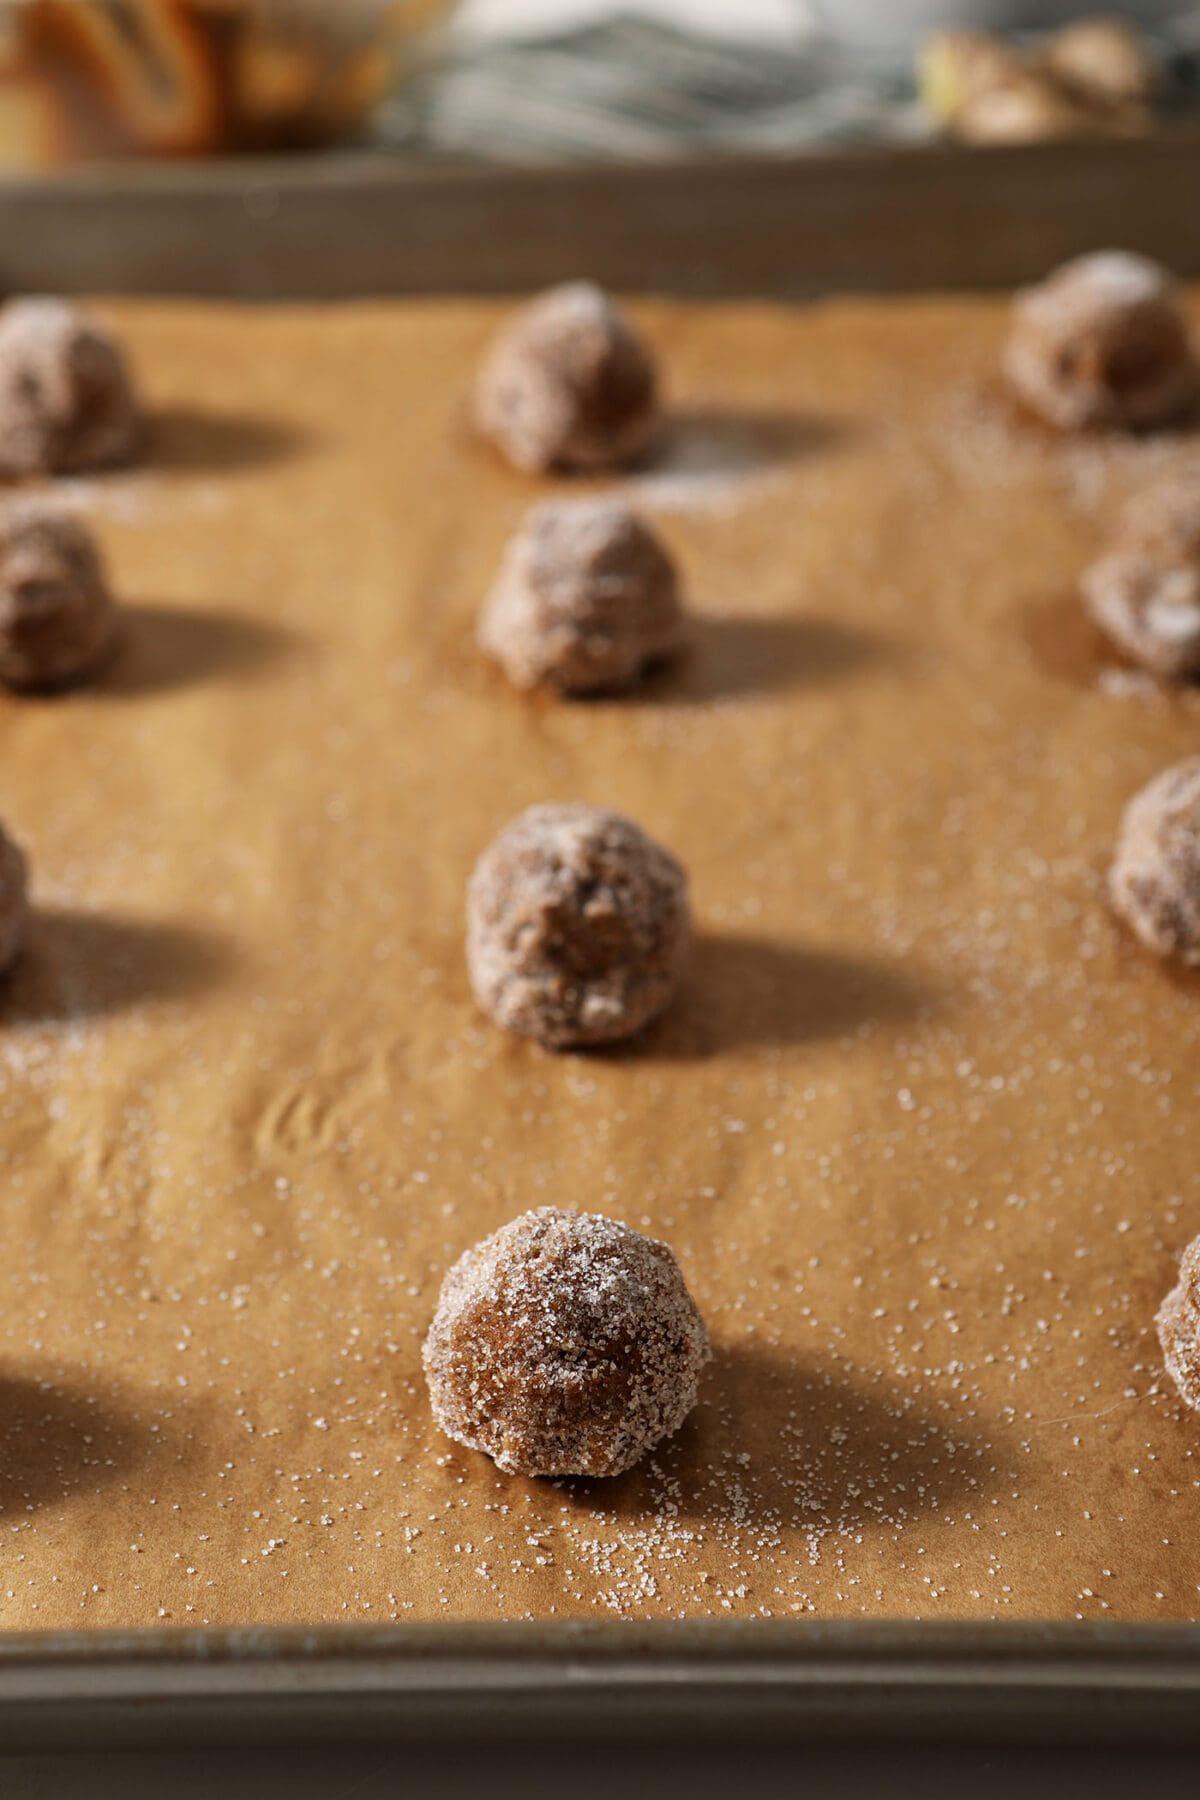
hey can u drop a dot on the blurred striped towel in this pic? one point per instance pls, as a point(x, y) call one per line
point(638, 88)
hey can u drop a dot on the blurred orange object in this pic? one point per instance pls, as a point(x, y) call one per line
point(86, 78)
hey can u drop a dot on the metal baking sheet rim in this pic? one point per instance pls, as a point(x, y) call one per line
point(1091, 1684)
point(318, 228)
point(918, 216)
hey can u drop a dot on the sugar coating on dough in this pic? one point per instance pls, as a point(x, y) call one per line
point(1104, 341)
point(1150, 609)
point(1155, 876)
point(1178, 1324)
point(577, 926)
point(14, 900)
point(67, 401)
point(586, 600)
point(57, 618)
point(569, 384)
point(564, 1344)
point(1164, 520)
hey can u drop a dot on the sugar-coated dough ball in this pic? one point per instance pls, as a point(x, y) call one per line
point(1164, 520)
point(564, 1344)
point(569, 384)
point(1179, 1327)
point(1150, 608)
point(1104, 341)
point(14, 900)
point(66, 399)
point(586, 600)
point(1155, 877)
point(577, 926)
point(57, 619)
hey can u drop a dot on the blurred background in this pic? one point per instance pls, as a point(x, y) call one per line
point(553, 80)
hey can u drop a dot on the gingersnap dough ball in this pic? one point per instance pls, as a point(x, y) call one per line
point(1104, 342)
point(564, 1344)
point(587, 599)
point(569, 384)
point(1178, 1324)
point(14, 900)
point(1155, 876)
point(1150, 609)
point(67, 402)
point(577, 926)
point(1164, 520)
point(57, 618)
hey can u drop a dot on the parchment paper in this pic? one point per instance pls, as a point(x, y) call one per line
point(920, 1128)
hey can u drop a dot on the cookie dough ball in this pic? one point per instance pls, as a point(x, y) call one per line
point(564, 1344)
point(57, 619)
point(569, 385)
point(1179, 1327)
point(577, 926)
point(14, 900)
point(1103, 342)
point(66, 399)
point(1164, 521)
point(586, 600)
point(1155, 877)
point(1150, 609)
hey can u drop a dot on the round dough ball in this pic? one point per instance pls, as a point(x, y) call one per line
point(1164, 521)
point(577, 926)
point(564, 1344)
point(66, 399)
point(1104, 341)
point(569, 384)
point(1179, 1327)
point(1155, 877)
point(587, 598)
point(1150, 608)
point(57, 619)
point(14, 900)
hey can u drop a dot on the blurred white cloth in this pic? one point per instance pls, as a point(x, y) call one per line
point(744, 19)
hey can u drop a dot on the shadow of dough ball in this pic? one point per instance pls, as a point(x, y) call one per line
point(587, 599)
point(67, 402)
point(57, 619)
point(1155, 876)
point(577, 926)
point(568, 384)
point(1104, 341)
point(564, 1344)
point(14, 900)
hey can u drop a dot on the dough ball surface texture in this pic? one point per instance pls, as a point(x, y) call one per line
point(1103, 342)
point(1150, 609)
point(57, 619)
point(564, 1344)
point(67, 402)
point(569, 384)
point(1155, 877)
point(577, 926)
point(1179, 1327)
point(586, 600)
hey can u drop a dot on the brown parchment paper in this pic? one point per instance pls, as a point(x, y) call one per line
point(920, 1128)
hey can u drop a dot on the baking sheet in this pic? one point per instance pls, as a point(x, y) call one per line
point(918, 1128)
